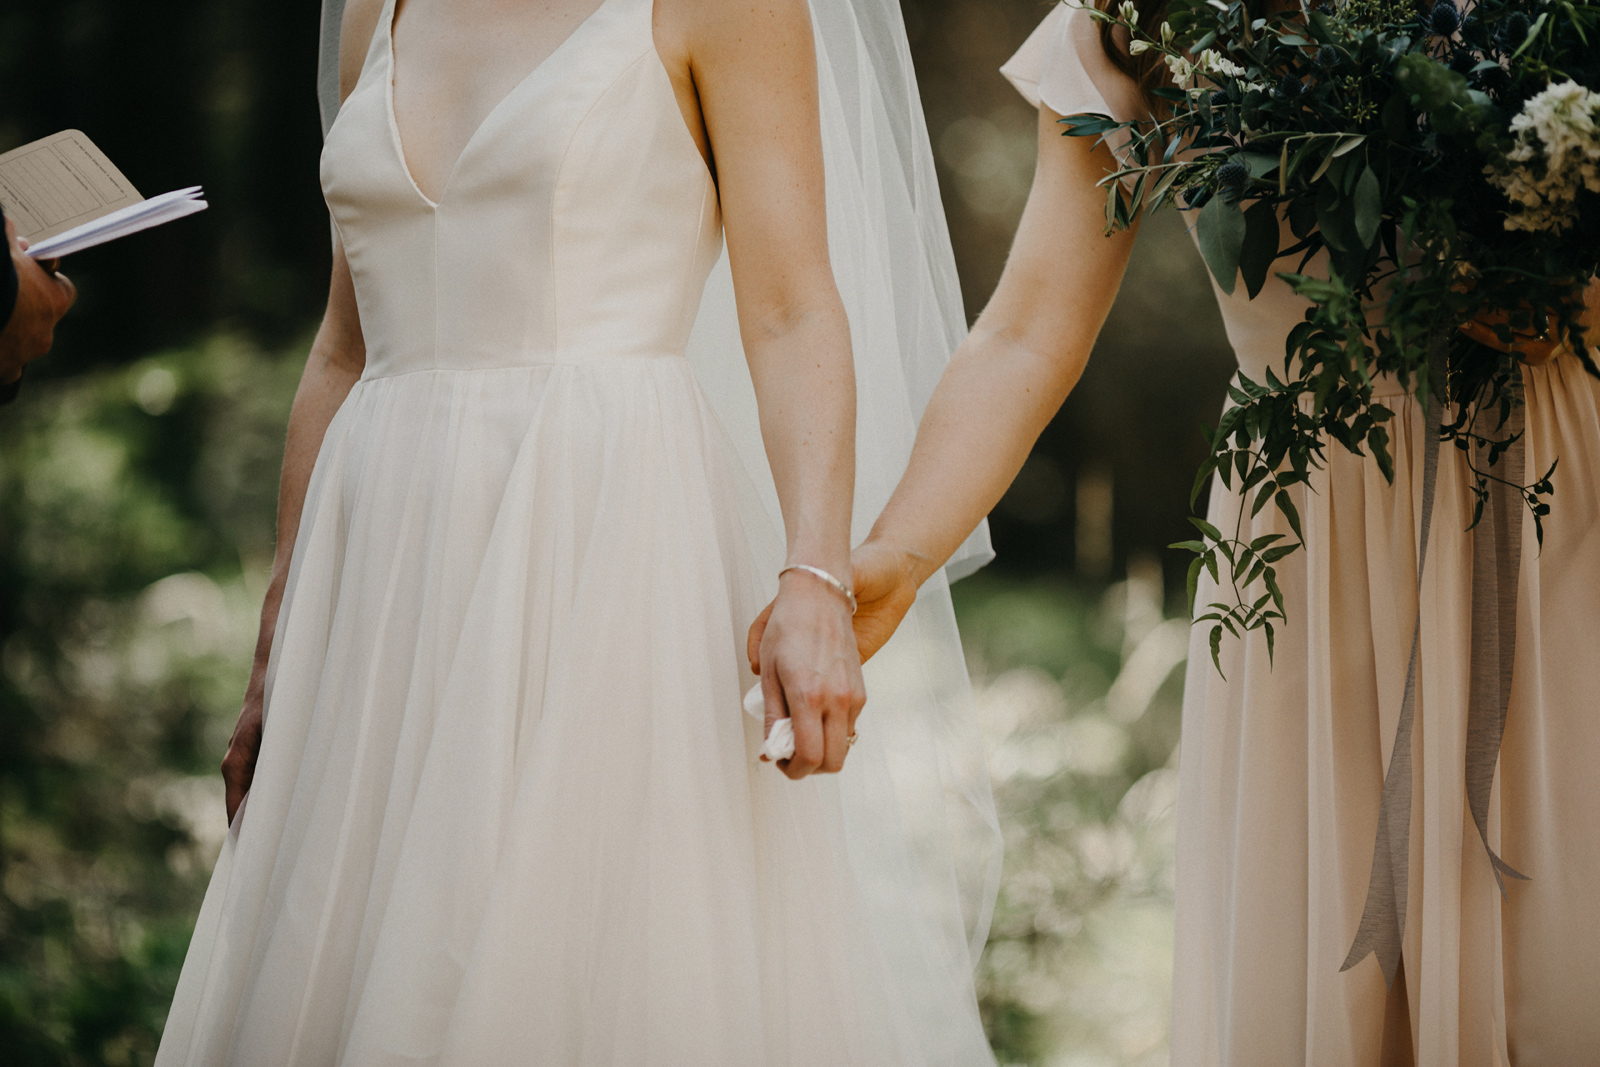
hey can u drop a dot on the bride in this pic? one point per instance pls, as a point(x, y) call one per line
point(492, 796)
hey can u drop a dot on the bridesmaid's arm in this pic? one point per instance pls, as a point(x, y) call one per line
point(746, 76)
point(1004, 384)
point(337, 358)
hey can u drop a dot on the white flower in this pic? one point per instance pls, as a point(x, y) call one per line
point(1555, 154)
point(1212, 62)
point(1182, 70)
point(1166, 35)
point(1128, 12)
point(1136, 48)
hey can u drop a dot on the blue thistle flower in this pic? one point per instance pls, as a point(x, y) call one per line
point(1327, 56)
point(1219, 99)
point(1462, 61)
point(1513, 31)
point(1289, 87)
point(1234, 176)
point(1196, 197)
point(1445, 18)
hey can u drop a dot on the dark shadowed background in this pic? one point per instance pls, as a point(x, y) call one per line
point(138, 474)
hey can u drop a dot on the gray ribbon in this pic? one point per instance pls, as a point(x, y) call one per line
point(1496, 567)
point(1383, 920)
point(1496, 560)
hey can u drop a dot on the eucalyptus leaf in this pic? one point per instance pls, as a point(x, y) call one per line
point(1260, 165)
point(1348, 145)
point(1333, 218)
point(1221, 230)
point(1260, 245)
point(1368, 203)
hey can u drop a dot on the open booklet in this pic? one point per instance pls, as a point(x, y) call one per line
point(64, 196)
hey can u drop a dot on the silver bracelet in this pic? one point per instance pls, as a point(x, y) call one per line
point(817, 572)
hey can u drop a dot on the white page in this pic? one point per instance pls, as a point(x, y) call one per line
point(60, 182)
point(131, 219)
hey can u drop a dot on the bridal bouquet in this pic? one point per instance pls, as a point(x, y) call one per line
point(1447, 161)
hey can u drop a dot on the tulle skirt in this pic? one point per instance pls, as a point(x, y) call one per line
point(1282, 770)
point(507, 808)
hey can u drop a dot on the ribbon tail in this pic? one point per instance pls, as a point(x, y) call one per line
point(1496, 568)
point(1383, 917)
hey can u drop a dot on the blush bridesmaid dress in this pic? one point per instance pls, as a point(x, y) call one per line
point(1282, 764)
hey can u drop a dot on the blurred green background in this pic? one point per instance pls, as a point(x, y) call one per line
point(138, 479)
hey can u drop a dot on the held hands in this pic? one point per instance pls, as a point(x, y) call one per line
point(885, 584)
point(43, 296)
point(812, 672)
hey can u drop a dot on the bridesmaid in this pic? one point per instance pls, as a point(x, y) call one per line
point(1282, 765)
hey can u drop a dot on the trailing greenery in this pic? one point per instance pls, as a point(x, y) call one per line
point(1446, 166)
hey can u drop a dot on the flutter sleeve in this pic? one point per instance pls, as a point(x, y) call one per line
point(1063, 66)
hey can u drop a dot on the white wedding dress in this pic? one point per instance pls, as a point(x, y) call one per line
point(507, 808)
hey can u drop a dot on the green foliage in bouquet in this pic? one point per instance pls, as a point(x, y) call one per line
point(1448, 164)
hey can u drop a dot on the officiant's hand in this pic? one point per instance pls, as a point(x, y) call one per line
point(43, 296)
point(806, 655)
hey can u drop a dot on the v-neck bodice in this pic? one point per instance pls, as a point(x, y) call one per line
point(579, 222)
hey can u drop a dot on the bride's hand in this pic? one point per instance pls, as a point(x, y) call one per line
point(239, 765)
point(812, 672)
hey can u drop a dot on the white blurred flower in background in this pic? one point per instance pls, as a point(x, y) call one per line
point(1082, 746)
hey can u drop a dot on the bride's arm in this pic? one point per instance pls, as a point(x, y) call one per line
point(752, 70)
point(338, 356)
point(1006, 381)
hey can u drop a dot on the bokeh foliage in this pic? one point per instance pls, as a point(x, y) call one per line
point(135, 517)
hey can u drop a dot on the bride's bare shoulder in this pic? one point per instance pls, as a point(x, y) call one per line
point(355, 37)
point(704, 28)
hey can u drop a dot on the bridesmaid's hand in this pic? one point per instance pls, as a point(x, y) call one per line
point(885, 583)
point(884, 579)
point(1530, 347)
point(239, 765)
point(811, 673)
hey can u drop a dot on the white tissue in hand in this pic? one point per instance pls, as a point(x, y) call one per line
point(780, 741)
